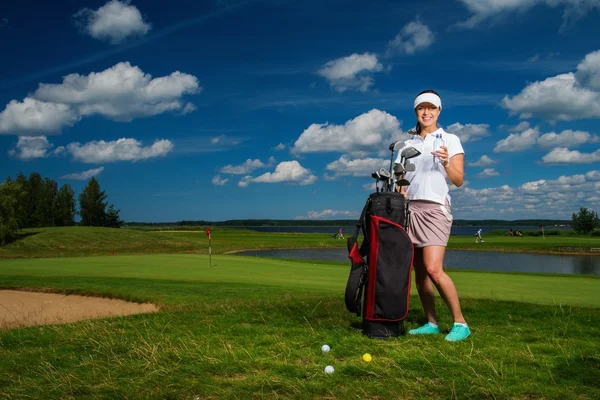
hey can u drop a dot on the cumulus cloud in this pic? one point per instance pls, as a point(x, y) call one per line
point(485, 9)
point(32, 117)
point(31, 147)
point(121, 93)
point(413, 37)
point(488, 173)
point(114, 22)
point(246, 167)
point(328, 214)
point(517, 142)
point(566, 138)
point(562, 155)
point(353, 72)
point(367, 132)
point(218, 181)
point(484, 161)
point(469, 132)
point(85, 175)
point(124, 149)
point(346, 166)
point(550, 198)
point(565, 97)
point(280, 147)
point(285, 172)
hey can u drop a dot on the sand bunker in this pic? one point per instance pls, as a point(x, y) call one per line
point(19, 308)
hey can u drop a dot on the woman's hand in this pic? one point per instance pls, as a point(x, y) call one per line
point(442, 155)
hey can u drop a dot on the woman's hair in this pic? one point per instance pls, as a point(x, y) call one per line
point(417, 128)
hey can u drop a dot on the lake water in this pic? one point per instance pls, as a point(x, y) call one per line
point(462, 259)
point(348, 230)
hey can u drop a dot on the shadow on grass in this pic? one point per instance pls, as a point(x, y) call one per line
point(20, 236)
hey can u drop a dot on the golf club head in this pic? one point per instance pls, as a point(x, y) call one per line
point(399, 168)
point(397, 145)
point(410, 152)
point(410, 167)
point(375, 175)
point(384, 173)
point(402, 182)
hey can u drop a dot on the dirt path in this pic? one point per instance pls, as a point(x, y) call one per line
point(20, 308)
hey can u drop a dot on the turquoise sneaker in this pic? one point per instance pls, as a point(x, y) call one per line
point(458, 333)
point(426, 329)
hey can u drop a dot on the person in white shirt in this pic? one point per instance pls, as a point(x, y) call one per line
point(430, 219)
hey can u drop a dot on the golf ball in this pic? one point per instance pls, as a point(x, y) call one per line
point(329, 369)
point(325, 348)
point(367, 357)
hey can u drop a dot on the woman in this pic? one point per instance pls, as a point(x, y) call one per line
point(430, 218)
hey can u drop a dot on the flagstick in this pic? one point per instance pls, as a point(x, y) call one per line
point(209, 252)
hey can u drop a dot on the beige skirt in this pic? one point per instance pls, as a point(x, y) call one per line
point(429, 223)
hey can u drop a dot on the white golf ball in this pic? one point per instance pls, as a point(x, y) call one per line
point(329, 369)
point(325, 348)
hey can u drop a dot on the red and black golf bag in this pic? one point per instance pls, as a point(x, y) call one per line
point(385, 276)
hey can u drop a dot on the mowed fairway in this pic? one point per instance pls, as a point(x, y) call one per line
point(252, 328)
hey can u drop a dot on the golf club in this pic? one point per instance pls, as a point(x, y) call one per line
point(394, 147)
point(386, 177)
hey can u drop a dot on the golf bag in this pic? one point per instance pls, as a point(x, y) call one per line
point(385, 276)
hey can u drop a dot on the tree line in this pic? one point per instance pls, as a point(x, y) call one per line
point(36, 201)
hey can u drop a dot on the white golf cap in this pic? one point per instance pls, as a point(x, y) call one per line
point(429, 98)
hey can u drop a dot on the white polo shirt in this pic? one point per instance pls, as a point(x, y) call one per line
point(428, 181)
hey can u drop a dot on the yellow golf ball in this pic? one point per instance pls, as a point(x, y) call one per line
point(367, 357)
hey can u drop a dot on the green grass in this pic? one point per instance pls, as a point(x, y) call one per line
point(252, 328)
point(89, 241)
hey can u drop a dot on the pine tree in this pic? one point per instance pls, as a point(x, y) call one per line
point(10, 192)
point(585, 221)
point(22, 217)
point(65, 206)
point(34, 185)
point(92, 204)
point(112, 218)
point(46, 203)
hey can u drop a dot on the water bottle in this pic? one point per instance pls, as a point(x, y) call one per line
point(437, 143)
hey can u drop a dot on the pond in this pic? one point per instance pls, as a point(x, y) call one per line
point(462, 259)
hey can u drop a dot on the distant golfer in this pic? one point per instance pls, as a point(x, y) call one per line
point(340, 234)
point(478, 237)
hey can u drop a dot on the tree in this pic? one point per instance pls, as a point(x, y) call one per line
point(10, 192)
point(112, 218)
point(65, 206)
point(22, 208)
point(92, 204)
point(585, 221)
point(34, 185)
point(45, 208)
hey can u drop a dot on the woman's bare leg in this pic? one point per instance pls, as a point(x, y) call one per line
point(424, 286)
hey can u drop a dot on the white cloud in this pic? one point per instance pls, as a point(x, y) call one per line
point(218, 181)
point(486, 9)
point(121, 93)
point(517, 142)
point(328, 214)
point(564, 97)
point(367, 132)
point(114, 21)
point(285, 172)
point(345, 166)
point(280, 147)
point(124, 149)
point(562, 155)
point(85, 175)
point(31, 117)
point(413, 37)
point(31, 147)
point(352, 72)
point(246, 167)
point(566, 138)
point(469, 132)
point(484, 161)
point(549, 198)
point(488, 173)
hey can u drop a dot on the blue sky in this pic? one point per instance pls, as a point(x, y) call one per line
point(230, 109)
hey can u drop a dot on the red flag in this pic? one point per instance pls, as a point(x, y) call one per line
point(208, 232)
